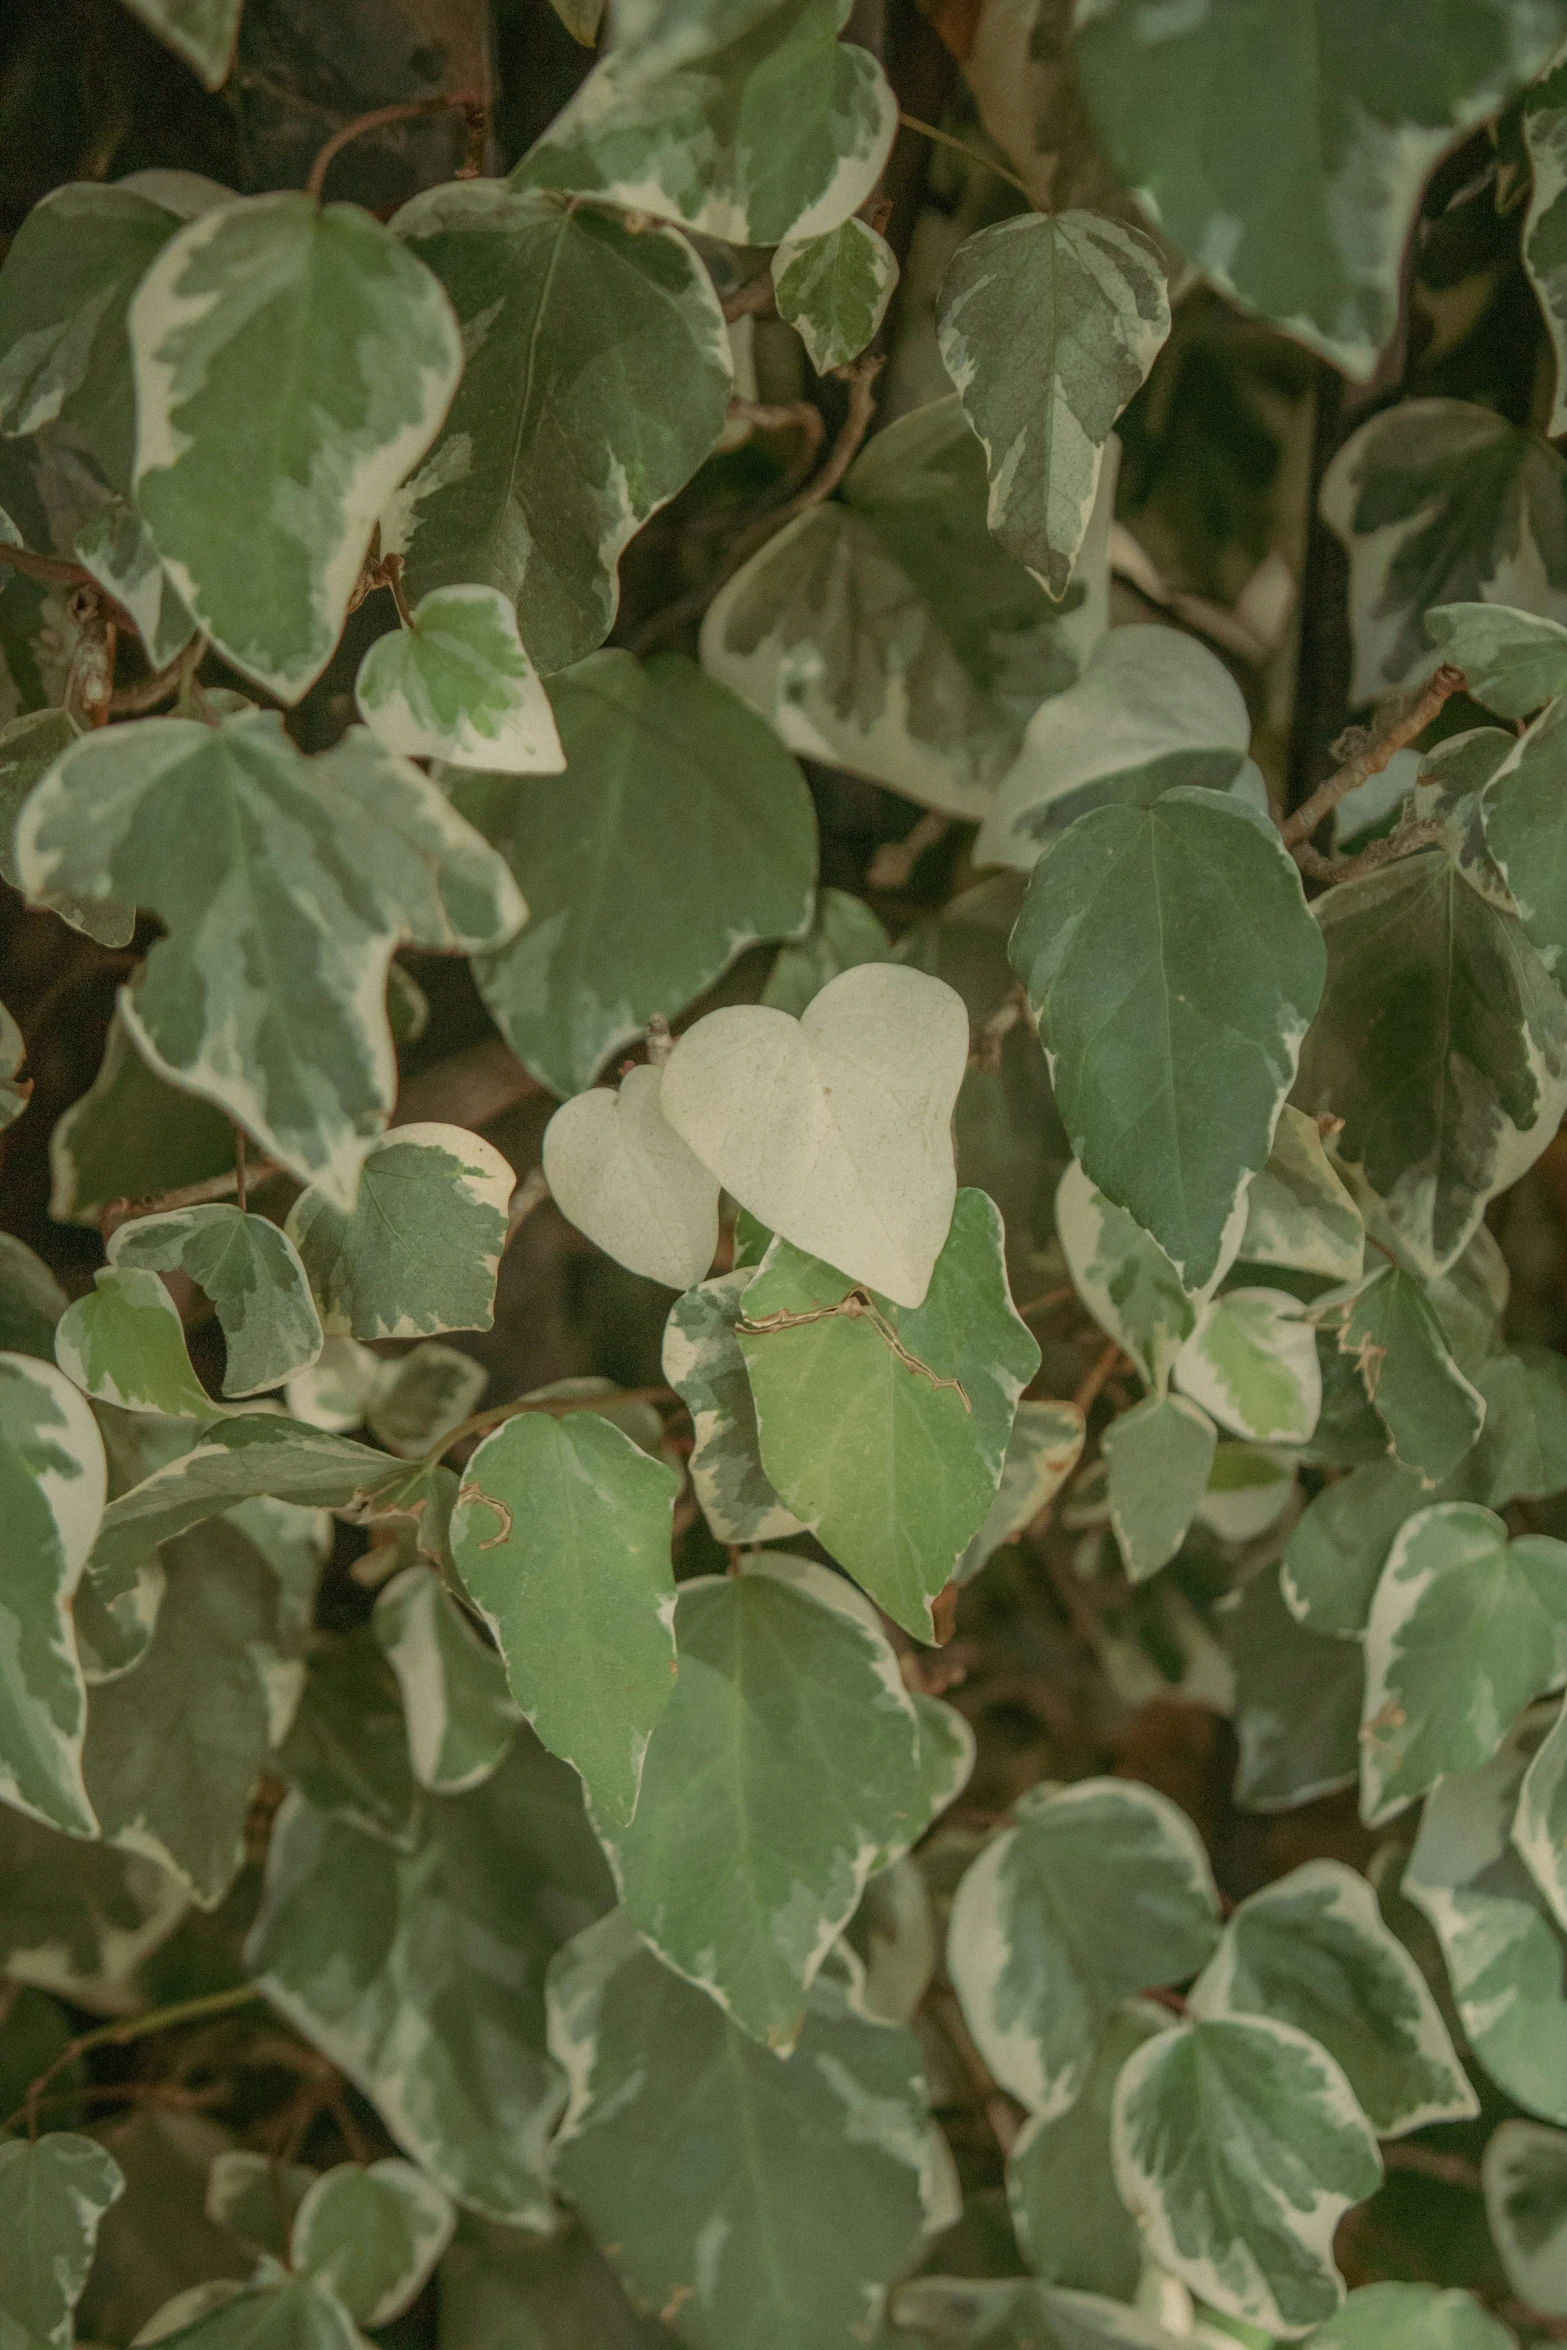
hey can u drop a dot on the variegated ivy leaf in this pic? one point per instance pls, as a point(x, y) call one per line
point(1175, 969)
point(751, 124)
point(1298, 1212)
point(274, 2311)
point(1512, 661)
point(1159, 1456)
point(597, 379)
point(1312, 1950)
point(116, 547)
point(885, 1431)
point(843, 933)
point(255, 2197)
point(1048, 324)
point(1016, 2313)
point(704, 1365)
point(1413, 2317)
point(947, 1754)
point(618, 1170)
point(1441, 1042)
point(786, 1762)
point(1252, 1363)
point(53, 2195)
point(1522, 1452)
point(1248, 1490)
point(1042, 1451)
point(252, 1274)
point(561, 1536)
point(1072, 2226)
point(1239, 2144)
point(124, 1343)
point(1335, 1554)
point(1465, 1629)
point(347, 1747)
point(1125, 1279)
point(887, 632)
point(1439, 502)
point(52, 1483)
point(419, 1249)
point(771, 2204)
point(202, 32)
point(1093, 1893)
point(131, 1135)
point(680, 833)
point(1525, 2172)
point(1254, 138)
point(1431, 1412)
point(13, 1052)
point(29, 747)
point(1545, 138)
point(455, 684)
point(406, 1404)
point(1516, 809)
point(460, 1715)
point(268, 995)
point(1297, 1702)
point(834, 290)
point(293, 362)
point(1152, 708)
point(371, 2237)
point(31, 1301)
point(1541, 1818)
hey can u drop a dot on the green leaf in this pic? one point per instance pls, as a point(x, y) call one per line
point(347, 1747)
point(13, 1052)
point(1465, 1629)
point(372, 2236)
point(758, 2202)
point(1239, 2144)
point(1043, 1449)
point(1311, 1950)
point(1285, 148)
point(256, 2197)
point(293, 362)
point(834, 290)
point(1441, 1043)
point(131, 1136)
point(1298, 1213)
point(1297, 1702)
point(1517, 808)
point(1431, 1412)
point(1337, 1550)
point(561, 1536)
point(421, 1975)
point(53, 2194)
point(1048, 324)
point(123, 1343)
point(1249, 1489)
point(750, 123)
point(272, 2312)
point(1439, 502)
point(1093, 1893)
point(202, 32)
point(494, 2280)
point(1174, 967)
point(704, 1364)
point(251, 1272)
point(285, 883)
point(116, 547)
point(29, 747)
point(993, 2313)
point(1543, 110)
point(1252, 1362)
point(618, 1170)
point(680, 834)
point(52, 1483)
point(597, 379)
point(31, 1301)
point(1512, 661)
point(460, 1716)
point(889, 634)
point(456, 684)
point(1541, 1816)
point(1124, 1277)
point(885, 1431)
point(79, 1919)
point(408, 1404)
point(1412, 2317)
point(420, 1247)
point(786, 1764)
point(1522, 1452)
point(843, 933)
point(1160, 1454)
point(1072, 2226)
point(1525, 2171)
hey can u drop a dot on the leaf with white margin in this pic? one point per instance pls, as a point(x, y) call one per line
point(1252, 1362)
point(29, 747)
point(835, 1129)
point(1335, 1554)
point(619, 1172)
point(116, 547)
point(771, 2203)
point(255, 2197)
point(1016, 2313)
point(1541, 1818)
point(1413, 2317)
point(1522, 1452)
point(124, 1344)
point(1516, 807)
point(1048, 323)
point(31, 1301)
point(372, 2236)
point(834, 290)
point(454, 683)
point(1125, 1279)
point(347, 1746)
point(1072, 2227)
point(460, 1716)
point(1239, 2145)
point(843, 932)
point(784, 1767)
point(1465, 1630)
point(893, 1933)
point(53, 2195)
point(13, 1052)
point(1298, 1211)
point(53, 1478)
point(751, 123)
point(885, 1430)
point(438, 2014)
point(704, 1365)
point(947, 1752)
point(252, 1274)
point(1159, 1456)
point(1431, 1412)
point(597, 379)
point(1312, 1950)
point(1513, 662)
point(293, 362)
point(1175, 969)
point(202, 32)
point(274, 2311)
point(1152, 707)
point(1524, 2168)
point(1093, 1893)
point(407, 1404)
point(1297, 1702)
point(1545, 140)
point(419, 1249)
point(1043, 1449)
point(79, 1919)
point(268, 996)
point(1248, 1490)
point(561, 1536)
point(130, 1135)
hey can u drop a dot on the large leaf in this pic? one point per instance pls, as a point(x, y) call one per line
point(679, 834)
point(885, 1431)
point(420, 1247)
point(1174, 968)
point(251, 1272)
point(292, 363)
point(79, 1919)
point(371, 2236)
point(1545, 138)
point(785, 1765)
point(53, 2194)
point(1285, 147)
point(347, 1747)
point(1048, 324)
point(761, 2205)
point(1522, 1453)
point(597, 378)
point(1525, 2172)
point(286, 883)
point(1517, 808)
point(29, 747)
point(705, 1366)
point(459, 1713)
point(1093, 1893)
point(1297, 1702)
point(1071, 2223)
point(561, 1536)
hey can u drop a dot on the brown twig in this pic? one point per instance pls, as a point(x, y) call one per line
point(752, 300)
point(894, 862)
point(1400, 843)
point(465, 102)
point(129, 701)
point(392, 577)
point(241, 1185)
point(800, 416)
point(557, 1406)
point(190, 1195)
point(120, 2034)
point(1453, 2170)
point(1088, 1393)
point(928, 130)
point(1373, 755)
point(48, 570)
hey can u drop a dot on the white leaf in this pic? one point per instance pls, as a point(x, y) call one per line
point(618, 1170)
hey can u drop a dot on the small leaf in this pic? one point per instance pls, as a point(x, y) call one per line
point(1335, 1554)
point(1298, 1213)
point(1159, 1454)
point(1124, 1277)
point(255, 2197)
point(618, 1171)
point(1431, 1412)
point(460, 1716)
point(251, 1272)
point(372, 2237)
point(202, 32)
point(53, 2195)
point(1252, 1362)
point(843, 933)
point(123, 1343)
point(420, 1247)
point(116, 547)
point(1249, 1489)
point(704, 1364)
point(1072, 2226)
point(1512, 661)
point(1043, 1449)
point(457, 685)
point(1525, 2171)
point(1541, 1817)
point(834, 290)
point(1412, 2317)
point(29, 747)
point(272, 2312)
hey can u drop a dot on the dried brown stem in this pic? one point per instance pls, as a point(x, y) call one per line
point(858, 1306)
point(1387, 851)
point(1374, 756)
point(1088, 1393)
point(121, 2033)
point(130, 701)
point(784, 416)
point(192, 1195)
point(752, 300)
point(47, 569)
point(465, 102)
point(557, 1406)
point(895, 860)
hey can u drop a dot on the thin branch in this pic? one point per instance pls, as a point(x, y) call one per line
point(190, 1195)
point(120, 2035)
point(392, 577)
point(557, 1407)
point(894, 862)
point(130, 701)
point(1401, 843)
point(241, 1182)
point(1088, 1393)
point(928, 130)
point(1373, 756)
point(752, 300)
point(47, 569)
point(800, 416)
point(465, 102)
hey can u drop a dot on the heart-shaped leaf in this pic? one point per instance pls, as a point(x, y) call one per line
point(618, 1170)
point(124, 1344)
point(420, 1248)
point(252, 1273)
point(455, 684)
